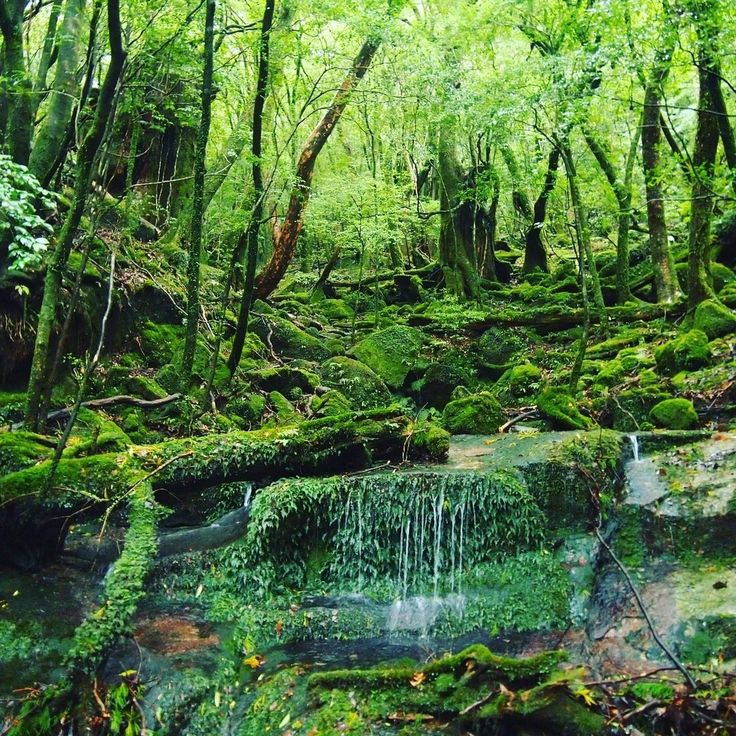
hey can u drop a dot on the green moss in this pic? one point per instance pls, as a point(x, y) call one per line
point(497, 346)
point(336, 310)
point(714, 640)
point(391, 353)
point(439, 382)
point(145, 387)
point(629, 409)
point(12, 406)
point(284, 409)
point(429, 442)
point(674, 414)
point(289, 340)
point(714, 319)
point(557, 406)
point(289, 381)
point(688, 351)
point(727, 295)
point(611, 346)
point(160, 343)
point(332, 403)
point(517, 382)
point(19, 450)
point(362, 387)
point(475, 414)
point(611, 374)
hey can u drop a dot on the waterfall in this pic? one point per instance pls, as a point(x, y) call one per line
point(635, 447)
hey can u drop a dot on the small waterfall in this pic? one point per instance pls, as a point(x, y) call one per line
point(635, 447)
point(418, 614)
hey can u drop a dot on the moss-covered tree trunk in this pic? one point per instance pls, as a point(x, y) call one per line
point(535, 254)
point(19, 126)
point(195, 235)
point(707, 135)
point(250, 237)
point(39, 86)
point(38, 380)
point(52, 132)
point(663, 264)
point(456, 245)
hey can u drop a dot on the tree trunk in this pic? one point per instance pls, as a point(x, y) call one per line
point(250, 237)
point(535, 255)
point(44, 63)
point(37, 384)
point(663, 265)
point(285, 244)
point(700, 285)
point(19, 128)
point(195, 235)
point(456, 246)
point(622, 190)
point(58, 112)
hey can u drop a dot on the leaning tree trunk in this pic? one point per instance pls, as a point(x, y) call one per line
point(195, 235)
point(289, 230)
point(19, 127)
point(39, 86)
point(250, 237)
point(535, 255)
point(51, 135)
point(37, 384)
point(663, 265)
point(704, 158)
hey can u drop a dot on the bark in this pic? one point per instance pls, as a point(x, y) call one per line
point(456, 246)
point(522, 205)
point(19, 95)
point(720, 110)
point(535, 255)
point(486, 226)
point(250, 237)
point(286, 242)
point(58, 112)
point(37, 385)
point(582, 232)
point(195, 236)
point(622, 190)
point(44, 63)
point(663, 265)
point(708, 131)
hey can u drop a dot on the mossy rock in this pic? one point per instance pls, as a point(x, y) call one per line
point(145, 387)
point(285, 379)
point(688, 351)
point(391, 353)
point(674, 414)
point(626, 338)
point(360, 385)
point(288, 340)
point(560, 409)
point(336, 310)
point(521, 380)
point(714, 319)
point(160, 343)
point(331, 404)
point(20, 450)
point(629, 409)
point(429, 442)
point(248, 408)
point(497, 346)
point(722, 275)
point(475, 414)
point(611, 374)
point(634, 359)
point(440, 381)
point(727, 295)
point(283, 409)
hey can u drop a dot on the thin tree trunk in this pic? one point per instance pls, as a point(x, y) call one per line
point(58, 112)
point(44, 63)
point(285, 244)
point(60, 255)
point(195, 236)
point(250, 237)
point(535, 255)
point(19, 128)
point(622, 190)
point(700, 285)
point(663, 265)
point(720, 110)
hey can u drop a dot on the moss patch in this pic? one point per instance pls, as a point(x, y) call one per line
point(391, 353)
point(674, 414)
point(474, 414)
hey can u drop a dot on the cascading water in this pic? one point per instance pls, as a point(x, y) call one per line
point(635, 447)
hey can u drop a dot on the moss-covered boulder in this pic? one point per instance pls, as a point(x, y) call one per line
point(517, 382)
point(331, 404)
point(439, 382)
point(249, 408)
point(284, 411)
point(628, 410)
point(288, 340)
point(557, 406)
point(688, 351)
point(362, 387)
point(498, 346)
point(335, 310)
point(474, 414)
point(391, 353)
point(285, 379)
point(714, 319)
point(160, 343)
point(674, 414)
point(429, 442)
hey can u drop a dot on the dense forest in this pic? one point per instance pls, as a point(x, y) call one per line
point(367, 367)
